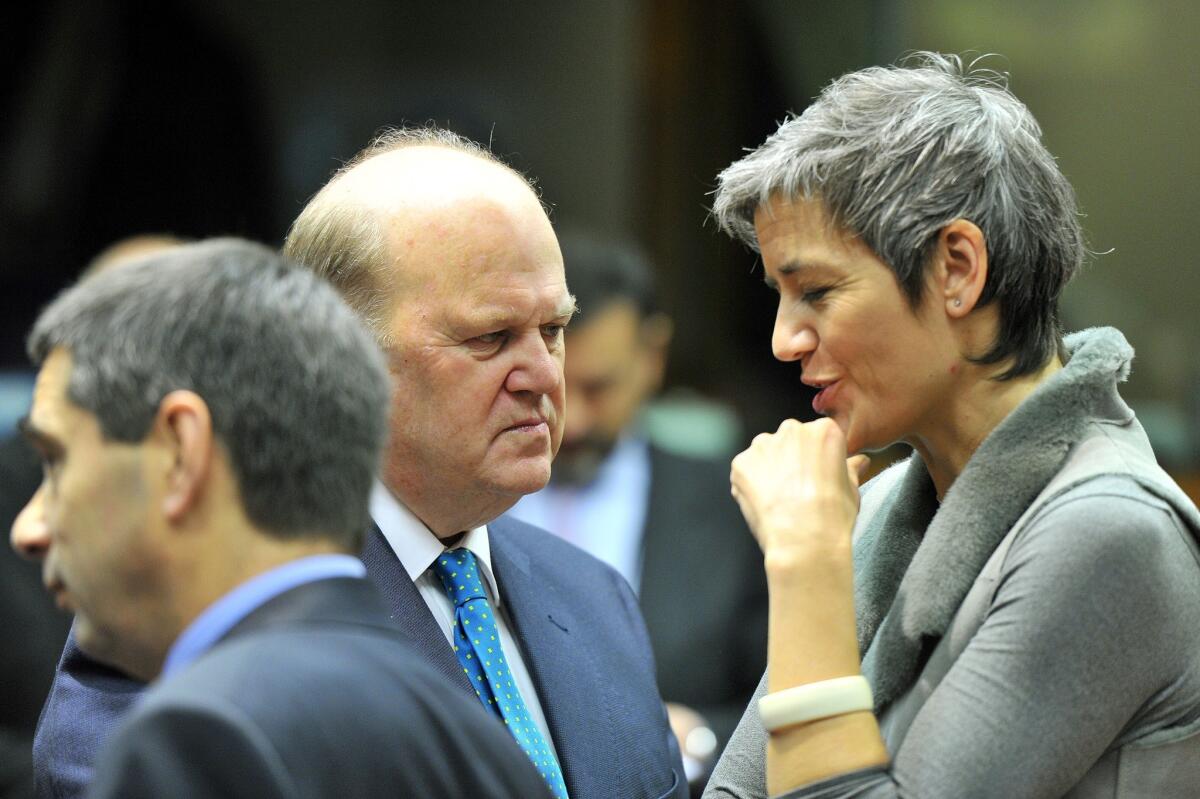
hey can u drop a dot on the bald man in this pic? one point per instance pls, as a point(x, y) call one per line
point(449, 257)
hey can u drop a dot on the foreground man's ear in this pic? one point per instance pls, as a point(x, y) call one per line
point(185, 427)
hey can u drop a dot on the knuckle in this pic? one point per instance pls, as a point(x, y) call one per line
point(761, 440)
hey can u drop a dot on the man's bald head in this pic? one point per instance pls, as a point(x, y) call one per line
point(356, 230)
point(450, 258)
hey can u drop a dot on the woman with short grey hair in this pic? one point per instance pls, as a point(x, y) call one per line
point(1010, 611)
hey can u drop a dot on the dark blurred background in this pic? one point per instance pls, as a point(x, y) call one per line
point(200, 118)
point(120, 117)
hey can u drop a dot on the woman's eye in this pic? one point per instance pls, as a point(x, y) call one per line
point(815, 295)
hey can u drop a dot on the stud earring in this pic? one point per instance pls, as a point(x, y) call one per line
point(957, 303)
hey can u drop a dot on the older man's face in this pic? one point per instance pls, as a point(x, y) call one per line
point(89, 522)
point(477, 357)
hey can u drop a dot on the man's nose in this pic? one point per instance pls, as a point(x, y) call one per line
point(536, 369)
point(30, 536)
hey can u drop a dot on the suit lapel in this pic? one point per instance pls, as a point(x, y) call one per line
point(408, 610)
point(544, 628)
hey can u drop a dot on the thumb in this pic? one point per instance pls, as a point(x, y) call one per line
point(856, 467)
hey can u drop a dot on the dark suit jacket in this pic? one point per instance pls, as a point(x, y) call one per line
point(314, 694)
point(582, 638)
point(703, 590)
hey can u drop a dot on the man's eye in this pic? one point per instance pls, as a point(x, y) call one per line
point(490, 338)
point(816, 295)
point(553, 331)
point(50, 465)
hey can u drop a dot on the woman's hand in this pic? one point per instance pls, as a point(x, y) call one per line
point(799, 495)
point(797, 489)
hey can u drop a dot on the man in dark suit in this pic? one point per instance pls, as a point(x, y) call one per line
point(34, 629)
point(198, 502)
point(449, 257)
point(665, 520)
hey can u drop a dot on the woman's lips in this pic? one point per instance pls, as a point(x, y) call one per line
point(823, 401)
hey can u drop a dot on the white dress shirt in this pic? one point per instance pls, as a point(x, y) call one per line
point(417, 548)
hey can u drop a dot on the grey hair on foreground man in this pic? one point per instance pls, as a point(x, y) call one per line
point(298, 406)
point(895, 153)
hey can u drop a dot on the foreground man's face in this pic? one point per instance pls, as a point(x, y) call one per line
point(88, 522)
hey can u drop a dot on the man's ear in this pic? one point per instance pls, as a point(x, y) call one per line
point(185, 427)
point(962, 266)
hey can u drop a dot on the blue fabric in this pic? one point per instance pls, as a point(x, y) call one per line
point(577, 623)
point(221, 616)
point(315, 694)
point(86, 702)
point(477, 646)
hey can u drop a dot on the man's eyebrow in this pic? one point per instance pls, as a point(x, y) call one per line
point(569, 309)
point(498, 318)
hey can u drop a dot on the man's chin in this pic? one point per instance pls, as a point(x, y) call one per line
point(95, 644)
point(106, 648)
point(526, 477)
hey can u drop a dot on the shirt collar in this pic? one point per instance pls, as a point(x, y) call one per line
point(417, 547)
point(223, 615)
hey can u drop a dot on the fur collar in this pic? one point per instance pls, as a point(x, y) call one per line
point(915, 561)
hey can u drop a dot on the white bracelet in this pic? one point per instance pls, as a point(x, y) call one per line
point(817, 700)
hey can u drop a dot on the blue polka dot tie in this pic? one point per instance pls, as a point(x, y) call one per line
point(477, 645)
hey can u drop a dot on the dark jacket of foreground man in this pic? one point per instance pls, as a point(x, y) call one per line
point(314, 694)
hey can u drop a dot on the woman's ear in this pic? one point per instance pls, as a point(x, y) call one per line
point(185, 425)
point(962, 266)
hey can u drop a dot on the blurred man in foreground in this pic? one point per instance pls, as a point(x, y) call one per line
point(448, 256)
point(34, 629)
point(198, 503)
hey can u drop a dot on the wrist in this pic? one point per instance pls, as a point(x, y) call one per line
point(785, 563)
point(813, 701)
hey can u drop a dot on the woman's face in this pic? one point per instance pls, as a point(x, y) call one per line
point(884, 370)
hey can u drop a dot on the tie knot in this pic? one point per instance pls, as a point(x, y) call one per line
point(459, 573)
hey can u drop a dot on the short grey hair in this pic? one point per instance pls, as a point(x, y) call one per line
point(296, 387)
point(896, 153)
point(344, 243)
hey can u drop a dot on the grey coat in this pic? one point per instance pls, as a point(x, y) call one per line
point(1034, 634)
